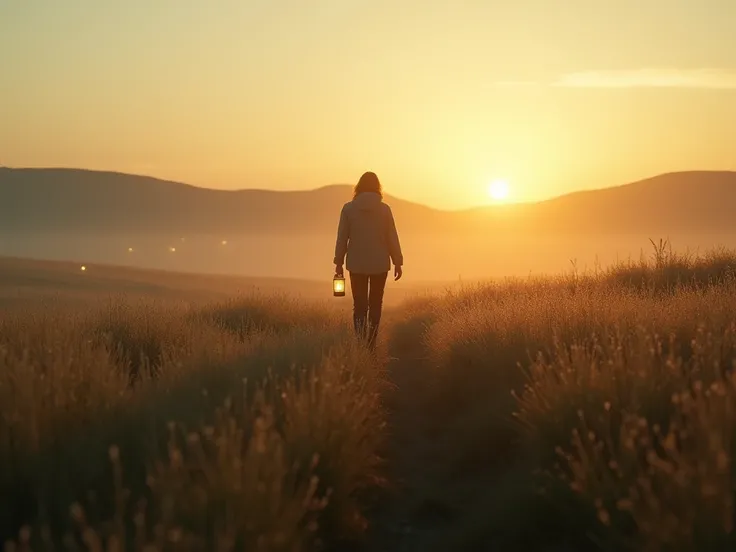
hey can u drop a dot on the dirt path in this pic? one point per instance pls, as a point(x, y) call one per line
point(395, 526)
point(431, 506)
point(405, 520)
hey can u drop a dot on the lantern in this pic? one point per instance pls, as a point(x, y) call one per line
point(338, 285)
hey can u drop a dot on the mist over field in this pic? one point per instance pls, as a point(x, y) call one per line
point(430, 259)
point(131, 220)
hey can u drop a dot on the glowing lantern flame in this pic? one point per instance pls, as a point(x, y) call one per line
point(338, 286)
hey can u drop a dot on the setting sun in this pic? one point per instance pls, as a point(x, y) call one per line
point(498, 190)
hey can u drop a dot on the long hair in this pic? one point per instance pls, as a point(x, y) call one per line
point(368, 183)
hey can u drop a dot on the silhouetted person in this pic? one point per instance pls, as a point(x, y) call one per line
point(367, 235)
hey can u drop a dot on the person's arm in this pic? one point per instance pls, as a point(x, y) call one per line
point(394, 245)
point(341, 246)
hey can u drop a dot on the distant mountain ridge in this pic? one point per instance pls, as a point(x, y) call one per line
point(35, 201)
point(71, 200)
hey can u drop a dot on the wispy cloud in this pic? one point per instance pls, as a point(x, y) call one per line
point(712, 78)
point(703, 78)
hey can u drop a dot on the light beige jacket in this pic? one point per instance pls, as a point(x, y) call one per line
point(367, 235)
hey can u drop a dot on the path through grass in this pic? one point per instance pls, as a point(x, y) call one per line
point(428, 508)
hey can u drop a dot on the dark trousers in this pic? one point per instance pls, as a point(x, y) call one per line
point(367, 304)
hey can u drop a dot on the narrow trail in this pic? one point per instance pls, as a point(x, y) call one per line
point(395, 526)
point(430, 505)
point(405, 520)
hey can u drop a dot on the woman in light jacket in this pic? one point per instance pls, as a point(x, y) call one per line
point(367, 235)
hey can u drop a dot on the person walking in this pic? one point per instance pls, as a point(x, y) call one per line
point(367, 235)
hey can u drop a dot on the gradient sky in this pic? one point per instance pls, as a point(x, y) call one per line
point(438, 97)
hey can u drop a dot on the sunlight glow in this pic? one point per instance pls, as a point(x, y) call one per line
point(498, 190)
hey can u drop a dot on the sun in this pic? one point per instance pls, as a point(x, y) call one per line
point(498, 190)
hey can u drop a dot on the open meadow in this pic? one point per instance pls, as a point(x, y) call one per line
point(582, 411)
point(183, 184)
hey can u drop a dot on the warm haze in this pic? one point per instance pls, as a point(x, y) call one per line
point(440, 98)
point(99, 217)
point(536, 343)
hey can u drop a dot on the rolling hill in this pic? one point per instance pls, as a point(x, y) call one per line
point(119, 219)
point(80, 201)
point(694, 202)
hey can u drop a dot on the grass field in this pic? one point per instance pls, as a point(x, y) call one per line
point(578, 412)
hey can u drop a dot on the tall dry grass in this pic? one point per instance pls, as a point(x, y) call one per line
point(612, 392)
point(587, 411)
point(252, 424)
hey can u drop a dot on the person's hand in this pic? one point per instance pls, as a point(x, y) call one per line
point(338, 270)
point(398, 273)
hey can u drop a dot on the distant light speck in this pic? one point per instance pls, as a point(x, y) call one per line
point(83, 268)
point(172, 249)
point(130, 250)
point(224, 242)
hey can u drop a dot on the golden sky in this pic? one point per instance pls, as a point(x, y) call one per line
point(439, 98)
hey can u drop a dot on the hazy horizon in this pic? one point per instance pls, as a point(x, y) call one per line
point(308, 258)
point(389, 193)
point(135, 221)
point(439, 101)
point(548, 288)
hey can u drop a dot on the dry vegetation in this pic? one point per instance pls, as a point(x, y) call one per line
point(589, 411)
point(251, 424)
point(592, 411)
